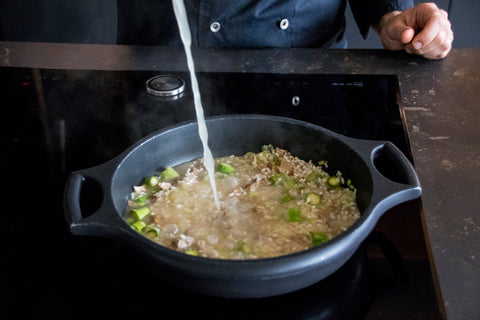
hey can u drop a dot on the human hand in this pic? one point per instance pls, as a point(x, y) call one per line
point(424, 30)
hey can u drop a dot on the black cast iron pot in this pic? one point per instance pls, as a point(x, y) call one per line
point(358, 160)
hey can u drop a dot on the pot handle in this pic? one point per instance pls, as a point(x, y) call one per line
point(104, 221)
point(392, 187)
point(73, 189)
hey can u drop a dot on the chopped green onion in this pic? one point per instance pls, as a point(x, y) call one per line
point(286, 197)
point(267, 148)
point(314, 176)
point(333, 182)
point(313, 198)
point(289, 182)
point(349, 184)
point(141, 200)
point(318, 238)
point(151, 231)
point(284, 179)
point(276, 161)
point(169, 174)
point(225, 168)
point(139, 225)
point(140, 213)
point(243, 248)
point(191, 252)
point(151, 181)
point(131, 220)
point(275, 178)
point(294, 215)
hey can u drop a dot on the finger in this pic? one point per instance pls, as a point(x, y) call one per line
point(430, 30)
point(442, 48)
point(397, 35)
point(407, 35)
point(437, 49)
point(444, 14)
point(441, 42)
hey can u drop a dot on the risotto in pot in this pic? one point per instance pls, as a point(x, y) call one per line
point(272, 204)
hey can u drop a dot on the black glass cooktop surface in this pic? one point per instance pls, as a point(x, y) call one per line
point(58, 121)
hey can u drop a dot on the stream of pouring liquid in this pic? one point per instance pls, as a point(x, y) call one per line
point(181, 16)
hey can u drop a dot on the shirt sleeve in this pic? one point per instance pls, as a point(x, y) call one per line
point(368, 12)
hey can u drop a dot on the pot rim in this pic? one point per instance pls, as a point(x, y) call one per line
point(340, 247)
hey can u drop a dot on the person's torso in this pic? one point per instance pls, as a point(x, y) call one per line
point(243, 23)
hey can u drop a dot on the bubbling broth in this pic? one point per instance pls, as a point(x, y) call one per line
point(271, 203)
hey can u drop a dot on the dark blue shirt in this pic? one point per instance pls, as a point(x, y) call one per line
point(249, 23)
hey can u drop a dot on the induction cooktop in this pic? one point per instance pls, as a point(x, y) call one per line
point(58, 121)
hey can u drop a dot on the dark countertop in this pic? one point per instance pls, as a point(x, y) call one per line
point(440, 99)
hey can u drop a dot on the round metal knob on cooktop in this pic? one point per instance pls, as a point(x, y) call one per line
point(165, 86)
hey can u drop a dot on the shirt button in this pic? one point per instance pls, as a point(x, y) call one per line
point(215, 27)
point(284, 24)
